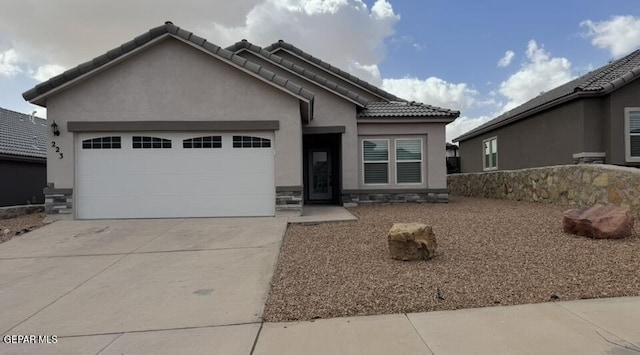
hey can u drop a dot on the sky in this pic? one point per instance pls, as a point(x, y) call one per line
point(480, 57)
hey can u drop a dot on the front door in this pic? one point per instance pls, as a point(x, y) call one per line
point(320, 174)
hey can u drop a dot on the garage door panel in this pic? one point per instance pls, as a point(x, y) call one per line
point(176, 182)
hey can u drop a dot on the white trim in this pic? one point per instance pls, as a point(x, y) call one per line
point(421, 161)
point(627, 135)
point(388, 161)
point(484, 166)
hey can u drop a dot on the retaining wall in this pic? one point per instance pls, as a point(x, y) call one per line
point(579, 185)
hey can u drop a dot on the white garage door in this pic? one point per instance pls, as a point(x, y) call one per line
point(182, 174)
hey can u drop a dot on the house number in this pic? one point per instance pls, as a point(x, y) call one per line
point(53, 145)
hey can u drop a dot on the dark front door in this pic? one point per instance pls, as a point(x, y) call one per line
point(320, 174)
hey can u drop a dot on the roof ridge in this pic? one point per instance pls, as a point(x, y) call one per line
point(298, 70)
point(21, 113)
point(335, 70)
point(157, 32)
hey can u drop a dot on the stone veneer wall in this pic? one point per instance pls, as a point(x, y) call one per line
point(351, 198)
point(58, 201)
point(289, 201)
point(579, 185)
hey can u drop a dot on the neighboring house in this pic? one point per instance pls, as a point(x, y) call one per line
point(453, 160)
point(23, 158)
point(170, 125)
point(594, 118)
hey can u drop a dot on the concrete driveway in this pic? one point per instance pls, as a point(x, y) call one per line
point(114, 286)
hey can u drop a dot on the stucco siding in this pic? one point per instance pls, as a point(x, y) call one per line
point(434, 141)
point(627, 96)
point(329, 110)
point(547, 138)
point(172, 81)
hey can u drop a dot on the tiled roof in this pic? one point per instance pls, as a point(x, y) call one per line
point(167, 28)
point(382, 109)
point(597, 82)
point(335, 70)
point(21, 137)
point(299, 70)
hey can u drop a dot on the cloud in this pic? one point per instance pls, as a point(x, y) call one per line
point(345, 33)
point(506, 60)
point(539, 73)
point(47, 71)
point(463, 125)
point(433, 91)
point(9, 63)
point(619, 35)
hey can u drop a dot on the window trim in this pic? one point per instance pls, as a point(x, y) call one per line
point(396, 161)
point(484, 162)
point(627, 135)
point(388, 161)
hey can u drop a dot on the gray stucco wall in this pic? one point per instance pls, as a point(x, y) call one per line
point(172, 81)
point(21, 183)
point(627, 96)
point(434, 160)
point(547, 138)
point(329, 110)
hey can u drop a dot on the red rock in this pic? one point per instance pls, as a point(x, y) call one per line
point(601, 222)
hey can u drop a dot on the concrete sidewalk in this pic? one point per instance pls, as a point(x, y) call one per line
point(603, 326)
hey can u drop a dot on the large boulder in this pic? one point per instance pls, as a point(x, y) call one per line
point(598, 221)
point(411, 241)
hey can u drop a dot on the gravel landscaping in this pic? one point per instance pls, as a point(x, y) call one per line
point(490, 253)
point(19, 225)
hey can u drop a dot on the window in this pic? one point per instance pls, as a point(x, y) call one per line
point(101, 143)
point(375, 157)
point(142, 142)
point(408, 161)
point(490, 153)
point(203, 142)
point(251, 142)
point(632, 133)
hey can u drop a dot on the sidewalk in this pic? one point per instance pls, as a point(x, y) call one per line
point(602, 326)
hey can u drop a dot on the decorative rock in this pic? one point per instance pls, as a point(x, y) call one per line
point(601, 222)
point(411, 241)
point(6, 231)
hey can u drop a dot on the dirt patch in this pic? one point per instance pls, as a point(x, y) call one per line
point(20, 225)
point(490, 253)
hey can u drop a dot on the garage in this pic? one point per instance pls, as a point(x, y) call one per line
point(174, 174)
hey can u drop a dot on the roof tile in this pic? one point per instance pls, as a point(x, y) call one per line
point(384, 109)
point(21, 137)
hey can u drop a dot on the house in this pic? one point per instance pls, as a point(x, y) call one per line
point(23, 158)
point(170, 125)
point(592, 119)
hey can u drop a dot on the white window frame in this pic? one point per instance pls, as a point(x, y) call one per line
point(484, 161)
point(396, 161)
point(627, 135)
point(388, 161)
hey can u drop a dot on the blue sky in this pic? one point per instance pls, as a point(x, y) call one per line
point(444, 53)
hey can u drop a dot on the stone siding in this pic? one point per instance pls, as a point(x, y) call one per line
point(579, 185)
point(350, 199)
point(289, 201)
point(58, 201)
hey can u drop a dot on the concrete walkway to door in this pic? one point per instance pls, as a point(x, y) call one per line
point(139, 286)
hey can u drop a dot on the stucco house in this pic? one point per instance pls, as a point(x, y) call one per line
point(170, 125)
point(23, 158)
point(592, 119)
